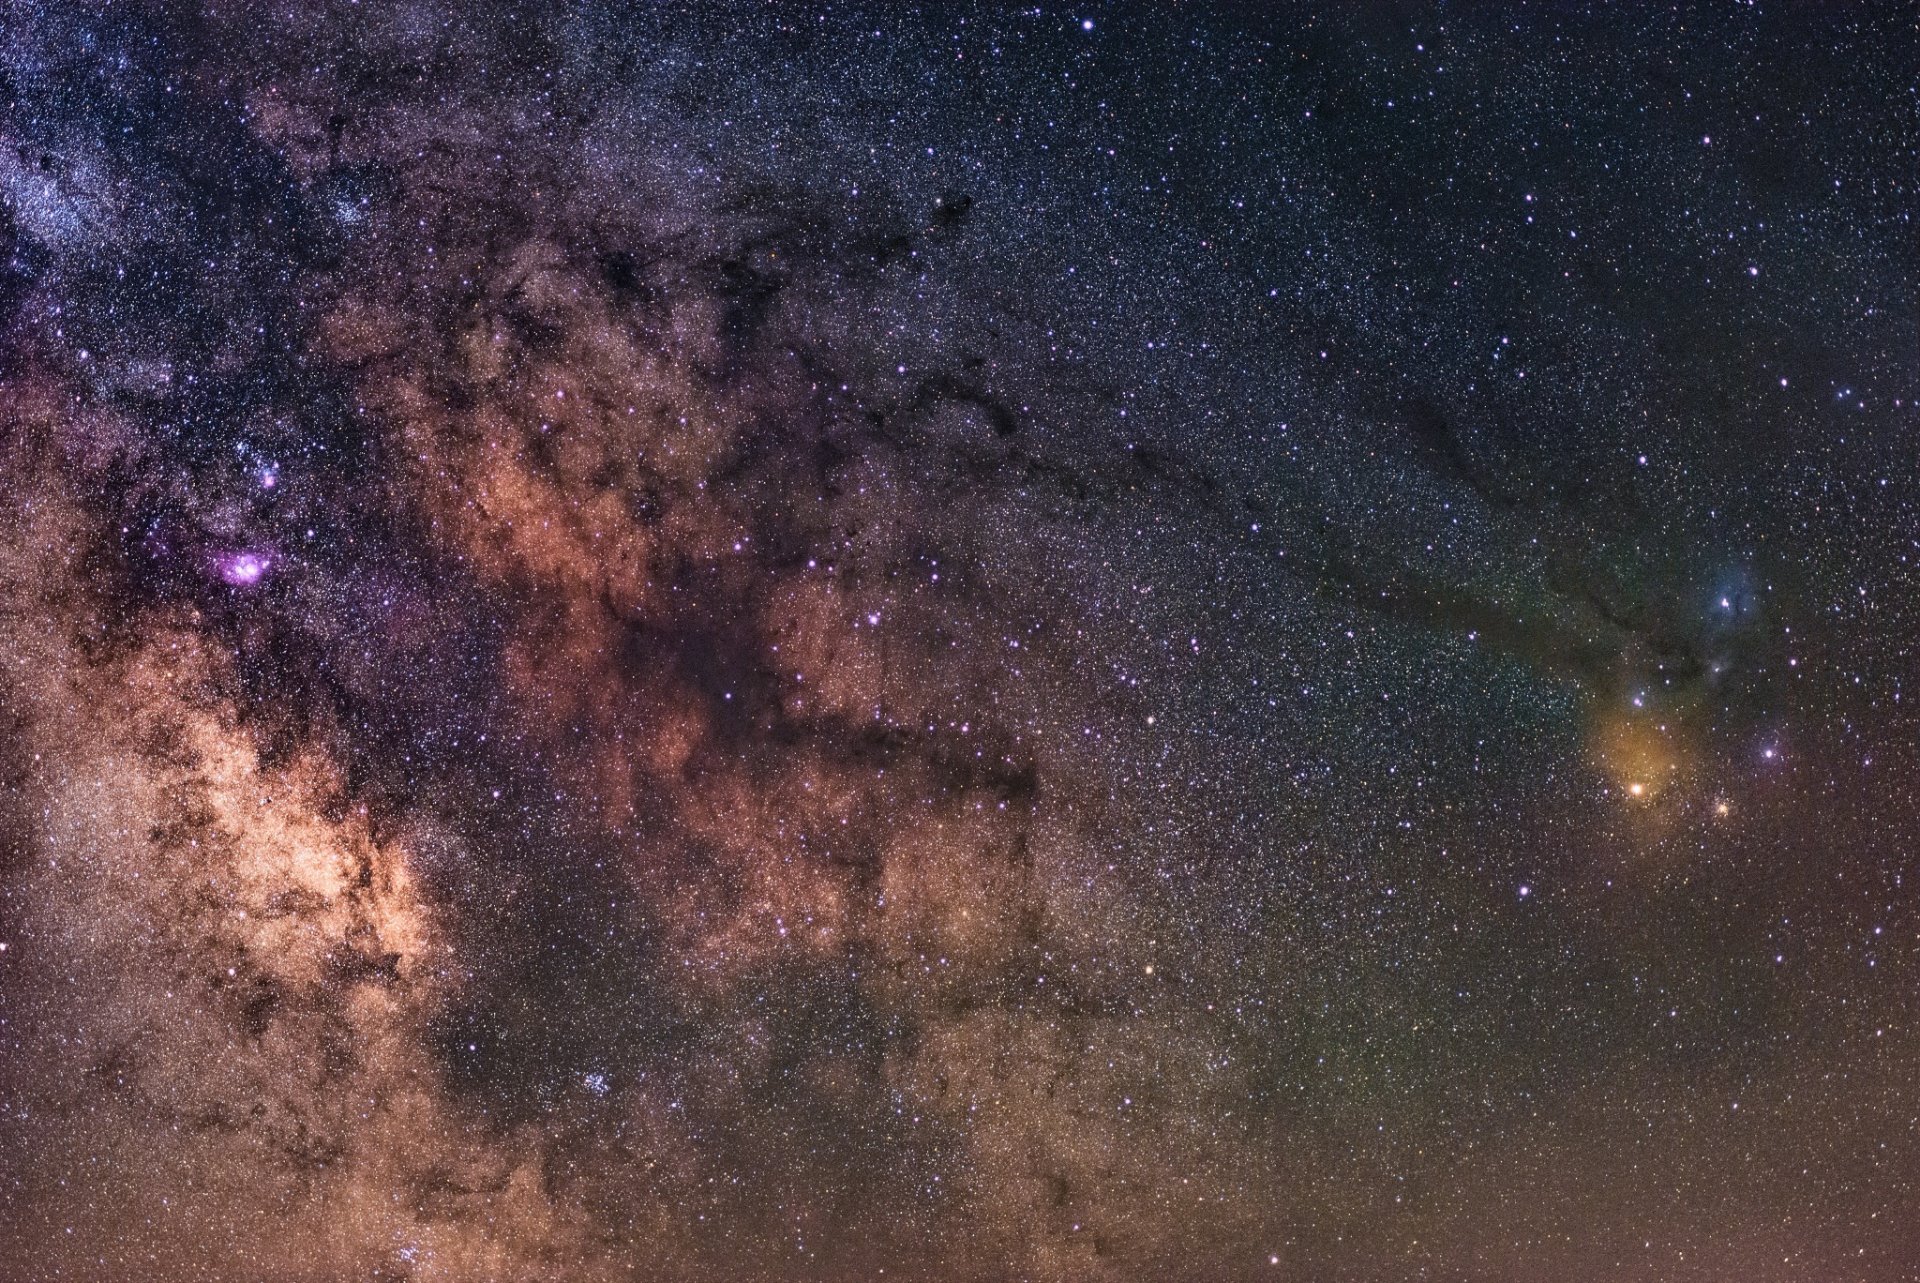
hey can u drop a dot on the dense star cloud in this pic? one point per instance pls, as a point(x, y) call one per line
point(778, 642)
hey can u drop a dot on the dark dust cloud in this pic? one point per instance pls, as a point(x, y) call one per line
point(761, 642)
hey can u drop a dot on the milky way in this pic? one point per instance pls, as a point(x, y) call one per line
point(777, 642)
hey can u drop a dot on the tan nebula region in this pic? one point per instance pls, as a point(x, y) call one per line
point(581, 478)
point(723, 644)
point(233, 970)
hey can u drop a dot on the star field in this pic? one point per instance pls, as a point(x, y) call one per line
point(819, 642)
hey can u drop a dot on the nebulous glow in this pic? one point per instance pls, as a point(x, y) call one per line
point(732, 643)
point(244, 569)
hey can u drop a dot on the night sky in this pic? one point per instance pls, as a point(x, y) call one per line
point(782, 642)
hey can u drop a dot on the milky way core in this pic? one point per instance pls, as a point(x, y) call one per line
point(728, 642)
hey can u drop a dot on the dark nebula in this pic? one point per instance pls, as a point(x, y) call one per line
point(759, 642)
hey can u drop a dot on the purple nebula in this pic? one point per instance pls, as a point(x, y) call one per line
point(244, 569)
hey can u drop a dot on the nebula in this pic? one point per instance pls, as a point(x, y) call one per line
point(724, 644)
